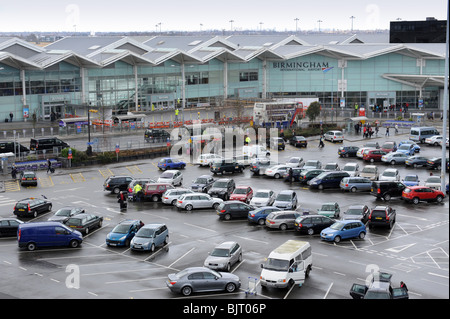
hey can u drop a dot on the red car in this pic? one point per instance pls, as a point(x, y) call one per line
point(242, 193)
point(389, 147)
point(373, 155)
point(416, 194)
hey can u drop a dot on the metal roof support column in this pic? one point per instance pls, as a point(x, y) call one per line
point(83, 85)
point(445, 108)
point(183, 85)
point(24, 89)
point(136, 89)
point(225, 79)
point(264, 84)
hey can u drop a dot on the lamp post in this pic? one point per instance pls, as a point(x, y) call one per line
point(352, 17)
point(296, 24)
point(319, 21)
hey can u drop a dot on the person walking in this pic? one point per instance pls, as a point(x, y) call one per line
point(11, 115)
point(14, 172)
point(176, 114)
point(49, 166)
point(321, 144)
point(387, 131)
point(291, 175)
point(122, 200)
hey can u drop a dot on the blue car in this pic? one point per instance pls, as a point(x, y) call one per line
point(259, 215)
point(123, 233)
point(344, 229)
point(170, 163)
point(411, 180)
point(414, 144)
point(408, 149)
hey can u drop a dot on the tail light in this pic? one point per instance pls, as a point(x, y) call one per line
point(172, 282)
point(346, 185)
point(23, 178)
point(165, 197)
point(130, 190)
point(223, 211)
point(252, 215)
point(271, 222)
point(34, 178)
point(18, 234)
point(180, 201)
point(379, 191)
point(29, 208)
point(300, 225)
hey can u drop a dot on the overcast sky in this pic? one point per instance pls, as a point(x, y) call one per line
point(195, 15)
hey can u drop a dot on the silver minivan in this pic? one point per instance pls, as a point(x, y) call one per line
point(197, 200)
point(282, 219)
point(419, 134)
point(149, 237)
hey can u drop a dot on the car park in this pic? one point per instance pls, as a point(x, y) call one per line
point(276, 171)
point(394, 158)
point(417, 194)
point(331, 167)
point(295, 162)
point(9, 226)
point(373, 155)
point(202, 183)
point(334, 136)
point(352, 169)
point(28, 178)
point(224, 256)
point(407, 149)
point(84, 223)
point(387, 189)
point(197, 201)
point(331, 210)
point(433, 182)
point(286, 199)
point(222, 188)
point(242, 193)
point(170, 196)
point(312, 224)
point(357, 212)
point(434, 140)
point(344, 229)
point(379, 287)
point(208, 159)
point(202, 279)
point(327, 180)
point(170, 163)
point(65, 213)
point(382, 216)
point(31, 207)
point(411, 180)
point(390, 174)
point(226, 166)
point(154, 191)
point(370, 172)
point(259, 215)
point(308, 174)
point(233, 209)
point(259, 165)
point(389, 146)
point(416, 161)
point(312, 164)
point(123, 233)
point(282, 219)
point(150, 236)
point(348, 151)
point(115, 184)
point(355, 184)
point(173, 177)
point(298, 141)
point(263, 197)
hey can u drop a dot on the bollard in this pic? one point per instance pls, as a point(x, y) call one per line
point(23, 132)
point(51, 131)
point(42, 131)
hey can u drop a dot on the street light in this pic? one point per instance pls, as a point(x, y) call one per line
point(231, 25)
point(352, 17)
point(319, 23)
point(296, 24)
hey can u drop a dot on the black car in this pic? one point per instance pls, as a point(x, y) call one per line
point(348, 151)
point(226, 166)
point(222, 188)
point(387, 189)
point(28, 178)
point(435, 163)
point(308, 174)
point(276, 143)
point(156, 135)
point(84, 223)
point(47, 143)
point(202, 183)
point(115, 184)
point(382, 216)
point(298, 141)
point(357, 212)
point(259, 166)
point(8, 147)
point(31, 207)
point(65, 213)
point(312, 224)
point(9, 226)
point(233, 209)
point(296, 173)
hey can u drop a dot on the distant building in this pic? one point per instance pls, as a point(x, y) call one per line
point(429, 31)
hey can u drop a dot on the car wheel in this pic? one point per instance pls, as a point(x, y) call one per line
point(155, 198)
point(100, 223)
point(392, 162)
point(50, 207)
point(308, 270)
point(35, 213)
point(152, 248)
point(116, 190)
point(31, 246)
point(189, 207)
point(283, 226)
point(228, 269)
point(186, 290)
point(174, 202)
point(86, 231)
point(227, 217)
point(439, 199)
point(277, 176)
point(261, 222)
point(74, 243)
point(362, 235)
point(215, 205)
point(353, 189)
point(387, 197)
point(230, 287)
point(166, 240)
point(310, 231)
point(416, 200)
point(182, 166)
point(372, 160)
point(240, 258)
point(320, 187)
point(337, 239)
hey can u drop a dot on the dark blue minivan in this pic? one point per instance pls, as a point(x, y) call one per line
point(46, 234)
point(328, 180)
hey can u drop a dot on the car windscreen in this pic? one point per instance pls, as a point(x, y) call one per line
point(145, 233)
point(166, 175)
point(354, 211)
point(410, 178)
point(219, 252)
point(389, 173)
point(220, 184)
point(240, 191)
point(276, 264)
point(121, 229)
point(369, 170)
point(63, 212)
point(284, 197)
point(327, 207)
point(349, 168)
point(261, 195)
point(200, 180)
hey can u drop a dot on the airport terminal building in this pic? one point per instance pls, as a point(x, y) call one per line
point(158, 72)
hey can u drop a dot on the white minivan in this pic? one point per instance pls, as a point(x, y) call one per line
point(287, 265)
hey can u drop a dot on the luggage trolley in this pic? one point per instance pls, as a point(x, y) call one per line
point(252, 283)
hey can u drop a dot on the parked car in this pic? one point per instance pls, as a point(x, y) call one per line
point(373, 155)
point(416, 161)
point(344, 229)
point(296, 172)
point(370, 172)
point(378, 288)
point(282, 219)
point(390, 174)
point(407, 149)
point(312, 224)
point(202, 279)
point(362, 150)
point(348, 151)
point(331, 167)
point(434, 140)
point(334, 136)
point(382, 216)
point(295, 162)
point(115, 184)
point(386, 189)
point(172, 177)
point(328, 180)
point(226, 166)
point(372, 144)
point(9, 226)
point(47, 144)
point(208, 159)
point(389, 146)
point(416, 194)
point(31, 207)
point(312, 164)
point(149, 237)
point(276, 171)
point(202, 183)
point(224, 256)
point(355, 184)
point(259, 215)
point(233, 209)
point(28, 178)
point(415, 146)
point(170, 196)
point(411, 180)
point(35, 235)
point(222, 188)
point(141, 181)
point(298, 141)
point(170, 163)
point(244, 160)
point(394, 158)
point(65, 213)
point(84, 223)
point(357, 212)
point(123, 233)
point(259, 165)
point(276, 143)
point(286, 199)
point(197, 201)
point(263, 197)
point(331, 210)
point(156, 135)
point(242, 193)
point(8, 147)
point(433, 182)
point(308, 174)
point(154, 191)
point(435, 163)
point(352, 169)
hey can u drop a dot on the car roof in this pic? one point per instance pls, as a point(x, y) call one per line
point(227, 244)
point(357, 206)
point(129, 221)
point(242, 186)
point(153, 225)
point(286, 191)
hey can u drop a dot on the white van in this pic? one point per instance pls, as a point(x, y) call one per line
point(287, 265)
point(255, 151)
point(420, 134)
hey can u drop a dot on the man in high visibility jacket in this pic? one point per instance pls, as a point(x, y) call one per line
point(137, 190)
point(176, 114)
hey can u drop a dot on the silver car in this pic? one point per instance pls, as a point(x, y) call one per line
point(262, 197)
point(224, 256)
point(370, 172)
point(197, 200)
point(173, 177)
point(171, 196)
point(202, 279)
point(282, 219)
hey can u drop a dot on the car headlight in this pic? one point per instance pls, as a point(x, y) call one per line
point(123, 237)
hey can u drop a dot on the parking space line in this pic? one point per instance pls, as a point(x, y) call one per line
point(106, 172)
point(201, 227)
point(170, 266)
point(77, 178)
